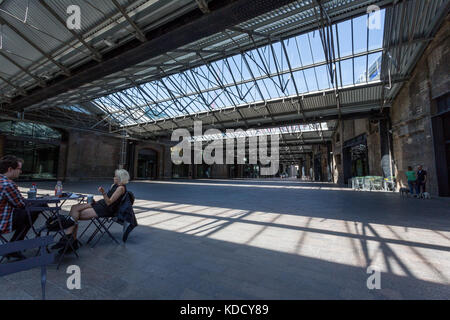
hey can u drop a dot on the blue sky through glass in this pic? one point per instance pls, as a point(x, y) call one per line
point(257, 75)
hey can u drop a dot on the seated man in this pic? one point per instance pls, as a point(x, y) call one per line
point(13, 216)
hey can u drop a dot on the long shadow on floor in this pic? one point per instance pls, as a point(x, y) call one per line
point(364, 207)
point(159, 264)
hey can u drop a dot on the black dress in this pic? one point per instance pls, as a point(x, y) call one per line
point(103, 210)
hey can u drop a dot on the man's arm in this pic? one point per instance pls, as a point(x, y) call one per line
point(13, 195)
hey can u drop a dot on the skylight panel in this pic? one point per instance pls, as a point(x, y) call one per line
point(229, 82)
point(345, 38)
point(376, 32)
point(360, 31)
point(360, 64)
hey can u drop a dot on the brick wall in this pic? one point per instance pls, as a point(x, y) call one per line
point(412, 110)
point(91, 156)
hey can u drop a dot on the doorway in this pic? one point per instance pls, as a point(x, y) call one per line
point(147, 164)
point(356, 159)
point(441, 137)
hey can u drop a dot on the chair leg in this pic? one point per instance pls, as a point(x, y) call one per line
point(84, 231)
point(2, 241)
point(43, 280)
point(105, 229)
point(97, 229)
point(68, 244)
point(100, 229)
point(109, 233)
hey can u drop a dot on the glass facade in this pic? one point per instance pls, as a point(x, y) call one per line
point(37, 145)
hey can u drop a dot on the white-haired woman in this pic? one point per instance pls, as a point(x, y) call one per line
point(106, 207)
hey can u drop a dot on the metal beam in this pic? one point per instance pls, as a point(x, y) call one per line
point(21, 90)
point(24, 37)
point(139, 34)
point(38, 80)
point(224, 14)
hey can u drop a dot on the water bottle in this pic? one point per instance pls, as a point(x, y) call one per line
point(32, 192)
point(58, 189)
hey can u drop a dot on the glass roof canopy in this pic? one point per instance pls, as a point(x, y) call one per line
point(286, 68)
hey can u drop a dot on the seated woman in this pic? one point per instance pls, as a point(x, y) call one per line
point(107, 207)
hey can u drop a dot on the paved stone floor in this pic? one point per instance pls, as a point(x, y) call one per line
point(249, 239)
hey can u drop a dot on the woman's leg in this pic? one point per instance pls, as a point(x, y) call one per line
point(75, 212)
point(85, 214)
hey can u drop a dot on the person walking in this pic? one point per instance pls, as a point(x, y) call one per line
point(411, 178)
point(421, 181)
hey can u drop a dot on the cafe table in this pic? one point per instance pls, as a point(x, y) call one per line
point(50, 208)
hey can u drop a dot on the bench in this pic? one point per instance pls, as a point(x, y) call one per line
point(42, 259)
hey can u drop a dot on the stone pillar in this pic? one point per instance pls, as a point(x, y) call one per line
point(300, 165)
point(62, 161)
point(308, 166)
point(167, 163)
point(341, 179)
point(330, 163)
point(386, 145)
point(191, 171)
point(240, 171)
point(131, 155)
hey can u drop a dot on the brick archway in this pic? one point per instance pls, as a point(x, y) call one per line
point(146, 150)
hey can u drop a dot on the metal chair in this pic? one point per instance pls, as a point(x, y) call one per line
point(359, 183)
point(377, 183)
point(52, 213)
point(102, 226)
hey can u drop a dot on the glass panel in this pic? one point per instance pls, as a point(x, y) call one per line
point(345, 38)
point(311, 79)
point(376, 30)
point(360, 69)
point(323, 77)
point(292, 51)
point(300, 81)
point(316, 47)
point(264, 89)
point(305, 51)
point(264, 63)
point(360, 34)
point(374, 66)
point(40, 159)
point(347, 72)
point(335, 42)
point(29, 130)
